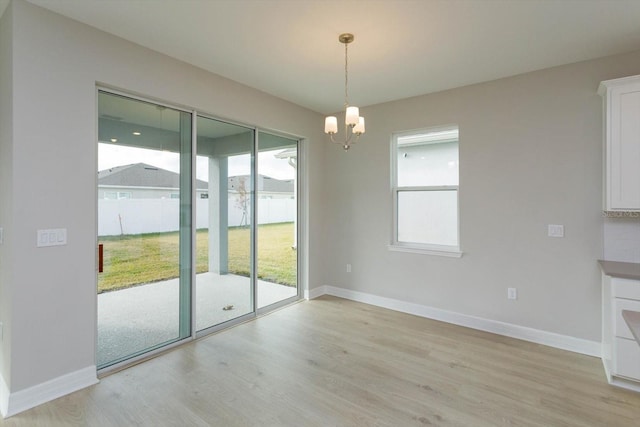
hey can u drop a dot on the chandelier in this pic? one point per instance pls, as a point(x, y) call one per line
point(354, 124)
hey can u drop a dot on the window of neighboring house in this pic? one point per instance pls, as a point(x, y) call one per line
point(175, 195)
point(425, 191)
point(117, 195)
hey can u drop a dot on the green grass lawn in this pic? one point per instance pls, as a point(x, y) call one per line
point(135, 259)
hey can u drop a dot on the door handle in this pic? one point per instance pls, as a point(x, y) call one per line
point(100, 258)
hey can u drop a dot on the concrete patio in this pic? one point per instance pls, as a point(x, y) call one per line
point(134, 319)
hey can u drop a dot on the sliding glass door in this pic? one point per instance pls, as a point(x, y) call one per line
point(277, 225)
point(189, 242)
point(144, 227)
point(246, 258)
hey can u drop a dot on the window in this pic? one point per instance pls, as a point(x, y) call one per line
point(117, 195)
point(425, 191)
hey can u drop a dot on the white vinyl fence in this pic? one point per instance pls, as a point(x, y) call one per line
point(137, 216)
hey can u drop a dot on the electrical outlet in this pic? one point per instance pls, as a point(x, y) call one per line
point(512, 293)
point(348, 268)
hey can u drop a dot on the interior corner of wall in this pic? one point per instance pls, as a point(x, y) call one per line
point(4, 397)
point(316, 292)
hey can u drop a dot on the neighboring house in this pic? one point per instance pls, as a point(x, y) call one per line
point(268, 188)
point(142, 181)
point(141, 198)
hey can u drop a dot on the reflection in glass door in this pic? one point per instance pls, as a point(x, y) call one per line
point(277, 225)
point(144, 227)
point(224, 222)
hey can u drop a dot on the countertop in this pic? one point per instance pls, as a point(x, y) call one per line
point(624, 270)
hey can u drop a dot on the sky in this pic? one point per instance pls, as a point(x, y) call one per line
point(118, 155)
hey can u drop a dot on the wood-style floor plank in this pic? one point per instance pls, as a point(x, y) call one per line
point(334, 362)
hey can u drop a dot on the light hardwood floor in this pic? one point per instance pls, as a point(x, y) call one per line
point(333, 362)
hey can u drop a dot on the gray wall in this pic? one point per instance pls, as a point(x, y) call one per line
point(57, 63)
point(530, 155)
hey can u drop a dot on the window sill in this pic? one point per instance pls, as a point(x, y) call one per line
point(453, 253)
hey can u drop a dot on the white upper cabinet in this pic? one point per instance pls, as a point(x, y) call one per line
point(622, 143)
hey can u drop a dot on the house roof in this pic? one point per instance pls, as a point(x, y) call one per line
point(142, 175)
point(265, 183)
point(145, 175)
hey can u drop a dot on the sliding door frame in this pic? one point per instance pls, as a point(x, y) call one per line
point(301, 230)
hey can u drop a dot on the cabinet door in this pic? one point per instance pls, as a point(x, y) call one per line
point(623, 168)
point(627, 358)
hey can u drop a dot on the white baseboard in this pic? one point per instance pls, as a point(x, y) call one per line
point(551, 339)
point(16, 402)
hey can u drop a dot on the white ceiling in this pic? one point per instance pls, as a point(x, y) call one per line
point(403, 48)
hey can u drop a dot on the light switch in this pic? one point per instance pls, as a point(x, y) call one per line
point(52, 237)
point(556, 230)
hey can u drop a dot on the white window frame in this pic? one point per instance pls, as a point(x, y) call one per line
point(414, 247)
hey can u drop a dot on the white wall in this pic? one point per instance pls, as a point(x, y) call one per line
point(530, 155)
point(57, 63)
